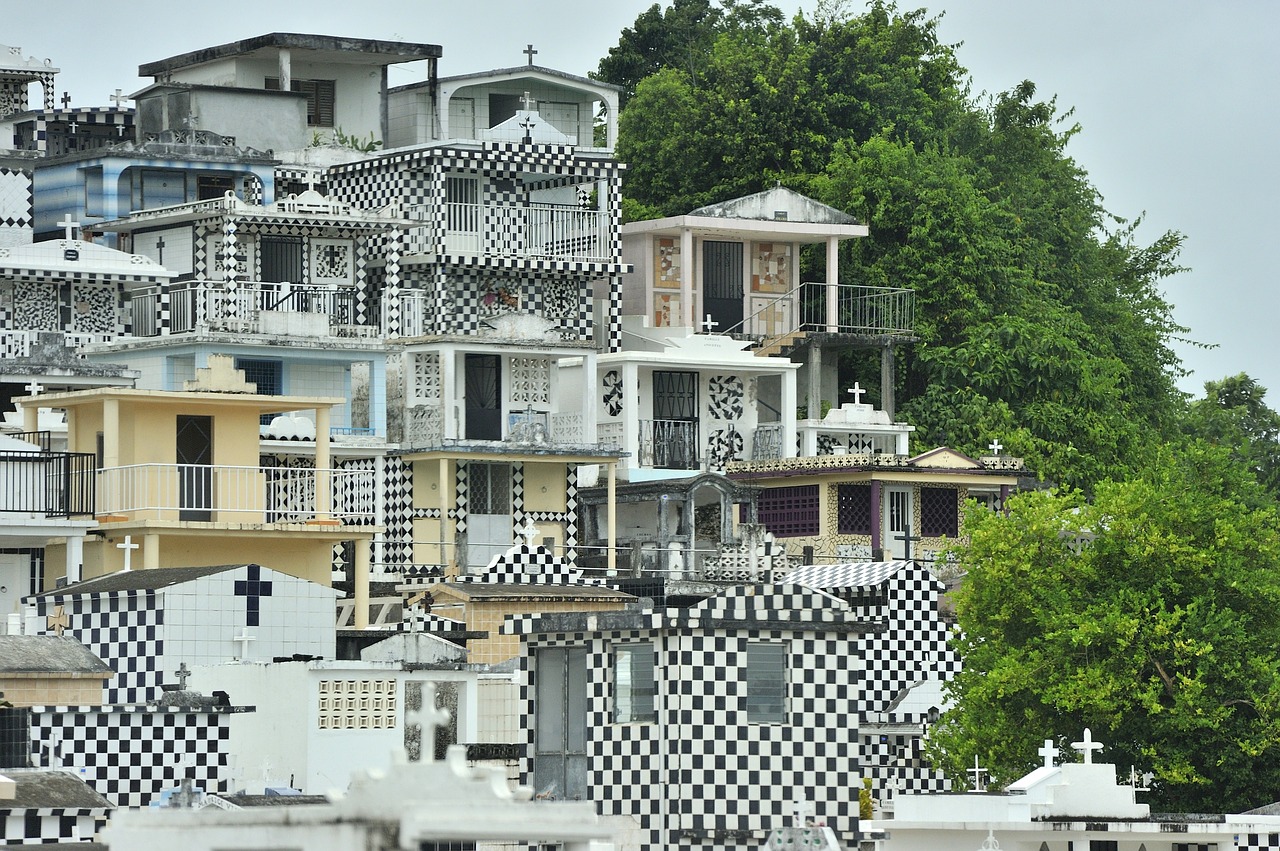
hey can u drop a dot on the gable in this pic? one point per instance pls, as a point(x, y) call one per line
point(946, 458)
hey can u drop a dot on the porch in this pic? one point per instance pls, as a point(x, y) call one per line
point(306, 310)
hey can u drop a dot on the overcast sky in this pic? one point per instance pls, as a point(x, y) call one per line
point(1177, 100)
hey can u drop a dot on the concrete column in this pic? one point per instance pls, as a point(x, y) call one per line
point(788, 449)
point(361, 582)
point(285, 58)
point(448, 555)
point(111, 433)
point(324, 478)
point(833, 284)
point(687, 271)
point(611, 536)
point(815, 381)
point(150, 551)
point(75, 558)
point(877, 517)
point(590, 387)
point(631, 413)
point(31, 415)
point(886, 380)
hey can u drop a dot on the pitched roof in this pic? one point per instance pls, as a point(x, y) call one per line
point(349, 50)
point(136, 580)
point(48, 654)
point(40, 789)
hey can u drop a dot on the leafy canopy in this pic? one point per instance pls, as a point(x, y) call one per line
point(1162, 635)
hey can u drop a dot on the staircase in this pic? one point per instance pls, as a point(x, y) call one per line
point(782, 345)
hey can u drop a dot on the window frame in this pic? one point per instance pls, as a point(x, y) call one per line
point(639, 707)
point(770, 705)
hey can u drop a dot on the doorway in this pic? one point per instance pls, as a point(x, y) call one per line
point(898, 520)
point(723, 285)
point(195, 470)
point(484, 397)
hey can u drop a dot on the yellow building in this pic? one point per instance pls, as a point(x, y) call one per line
point(870, 506)
point(180, 483)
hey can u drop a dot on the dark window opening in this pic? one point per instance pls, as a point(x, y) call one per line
point(320, 98)
point(211, 186)
point(854, 515)
point(789, 512)
point(939, 516)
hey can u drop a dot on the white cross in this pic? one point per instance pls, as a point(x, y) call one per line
point(68, 225)
point(529, 103)
point(120, 130)
point(34, 387)
point(1048, 752)
point(311, 181)
point(244, 638)
point(427, 718)
point(528, 531)
point(1087, 746)
point(856, 391)
point(73, 127)
point(119, 98)
point(709, 324)
point(128, 546)
point(266, 770)
point(979, 785)
point(190, 121)
point(995, 446)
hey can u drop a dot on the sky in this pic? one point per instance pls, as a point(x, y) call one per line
point(1176, 100)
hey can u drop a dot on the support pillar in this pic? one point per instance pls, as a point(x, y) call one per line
point(448, 553)
point(324, 475)
point(833, 284)
point(687, 270)
point(150, 551)
point(815, 382)
point(75, 558)
point(886, 380)
point(361, 582)
point(611, 537)
point(877, 517)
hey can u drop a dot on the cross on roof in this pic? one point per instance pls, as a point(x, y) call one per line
point(244, 638)
point(995, 446)
point(528, 124)
point(58, 621)
point(709, 324)
point(1087, 746)
point(66, 99)
point(856, 391)
point(119, 98)
point(530, 52)
point(1049, 752)
point(128, 546)
point(34, 387)
point(182, 673)
point(160, 247)
point(979, 776)
point(68, 225)
point(528, 531)
point(427, 718)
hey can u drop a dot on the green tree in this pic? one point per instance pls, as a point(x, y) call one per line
point(1162, 634)
point(1233, 414)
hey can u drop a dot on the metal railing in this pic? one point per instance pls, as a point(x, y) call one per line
point(832, 308)
point(55, 484)
point(196, 304)
point(766, 442)
point(234, 494)
point(669, 444)
point(513, 230)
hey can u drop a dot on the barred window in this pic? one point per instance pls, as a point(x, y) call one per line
point(939, 515)
point(854, 512)
point(634, 685)
point(789, 512)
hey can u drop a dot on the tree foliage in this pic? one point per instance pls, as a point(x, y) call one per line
point(1162, 635)
point(1233, 415)
point(1033, 303)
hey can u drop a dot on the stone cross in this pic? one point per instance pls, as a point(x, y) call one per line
point(244, 638)
point(68, 225)
point(979, 776)
point(528, 124)
point(856, 391)
point(528, 531)
point(128, 546)
point(66, 99)
point(1049, 752)
point(427, 718)
point(530, 52)
point(190, 121)
point(120, 130)
point(119, 98)
point(73, 125)
point(34, 387)
point(995, 446)
point(1087, 746)
point(528, 102)
point(182, 673)
point(709, 324)
point(58, 621)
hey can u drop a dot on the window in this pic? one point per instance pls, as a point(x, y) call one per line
point(268, 375)
point(854, 514)
point(489, 488)
point(320, 98)
point(789, 512)
point(766, 678)
point(938, 513)
point(634, 685)
point(211, 186)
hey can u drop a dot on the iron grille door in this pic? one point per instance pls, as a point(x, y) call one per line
point(195, 479)
point(724, 287)
point(281, 259)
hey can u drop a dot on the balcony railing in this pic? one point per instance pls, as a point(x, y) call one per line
point(669, 444)
point(253, 308)
point(234, 494)
point(55, 484)
point(547, 231)
point(18, 343)
point(830, 308)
